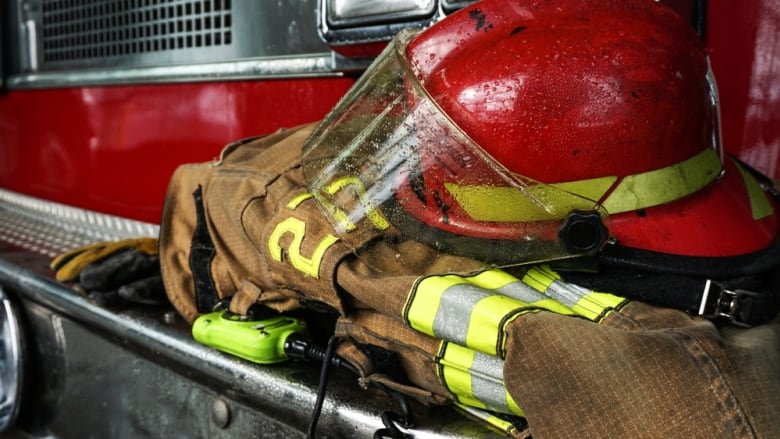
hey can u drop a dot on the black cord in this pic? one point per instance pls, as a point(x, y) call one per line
point(391, 420)
point(299, 347)
point(324, 371)
point(391, 430)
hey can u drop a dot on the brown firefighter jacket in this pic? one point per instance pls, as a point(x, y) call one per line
point(245, 227)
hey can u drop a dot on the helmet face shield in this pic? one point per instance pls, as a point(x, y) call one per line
point(388, 163)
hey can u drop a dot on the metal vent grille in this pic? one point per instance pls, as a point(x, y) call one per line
point(75, 30)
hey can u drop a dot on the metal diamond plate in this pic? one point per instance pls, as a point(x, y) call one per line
point(50, 228)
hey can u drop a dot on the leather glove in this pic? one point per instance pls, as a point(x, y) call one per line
point(115, 272)
point(69, 265)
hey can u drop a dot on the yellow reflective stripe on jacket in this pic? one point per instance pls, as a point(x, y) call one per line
point(590, 304)
point(473, 311)
point(476, 379)
point(538, 202)
point(489, 418)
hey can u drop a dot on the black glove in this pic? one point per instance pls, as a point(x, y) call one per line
point(113, 273)
point(69, 264)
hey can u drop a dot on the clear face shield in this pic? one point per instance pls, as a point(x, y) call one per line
point(387, 164)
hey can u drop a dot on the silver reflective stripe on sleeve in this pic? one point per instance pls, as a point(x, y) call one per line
point(473, 311)
point(475, 378)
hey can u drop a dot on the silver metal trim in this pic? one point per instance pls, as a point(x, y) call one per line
point(705, 297)
point(376, 30)
point(451, 6)
point(717, 128)
point(260, 386)
point(365, 34)
point(11, 368)
point(30, 30)
point(327, 64)
point(361, 17)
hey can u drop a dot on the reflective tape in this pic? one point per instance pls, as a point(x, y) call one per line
point(586, 303)
point(489, 418)
point(473, 311)
point(470, 315)
point(760, 206)
point(660, 186)
point(535, 202)
point(633, 192)
point(476, 379)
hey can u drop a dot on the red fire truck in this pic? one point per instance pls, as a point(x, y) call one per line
point(101, 99)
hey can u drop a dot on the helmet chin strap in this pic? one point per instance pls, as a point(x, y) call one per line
point(752, 264)
point(745, 301)
point(743, 289)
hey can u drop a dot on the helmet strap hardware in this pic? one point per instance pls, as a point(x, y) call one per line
point(719, 302)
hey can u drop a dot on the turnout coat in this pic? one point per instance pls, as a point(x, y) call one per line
point(573, 362)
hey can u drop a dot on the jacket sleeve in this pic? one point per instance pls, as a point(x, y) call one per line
point(644, 371)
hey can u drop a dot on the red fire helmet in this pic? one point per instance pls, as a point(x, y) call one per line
point(523, 131)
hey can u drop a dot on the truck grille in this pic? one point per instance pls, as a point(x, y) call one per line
point(76, 30)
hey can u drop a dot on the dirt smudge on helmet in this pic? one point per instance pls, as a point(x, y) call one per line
point(481, 20)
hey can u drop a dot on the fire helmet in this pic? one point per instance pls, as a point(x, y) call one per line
point(527, 131)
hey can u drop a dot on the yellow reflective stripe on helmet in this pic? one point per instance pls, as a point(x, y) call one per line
point(663, 185)
point(476, 379)
point(538, 202)
point(760, 206)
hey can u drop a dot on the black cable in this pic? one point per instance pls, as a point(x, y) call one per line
point(324, 371)
point(391, 420)
point(391, 431)
point(298, 347)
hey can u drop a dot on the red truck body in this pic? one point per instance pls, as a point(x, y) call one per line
point(113, 148)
